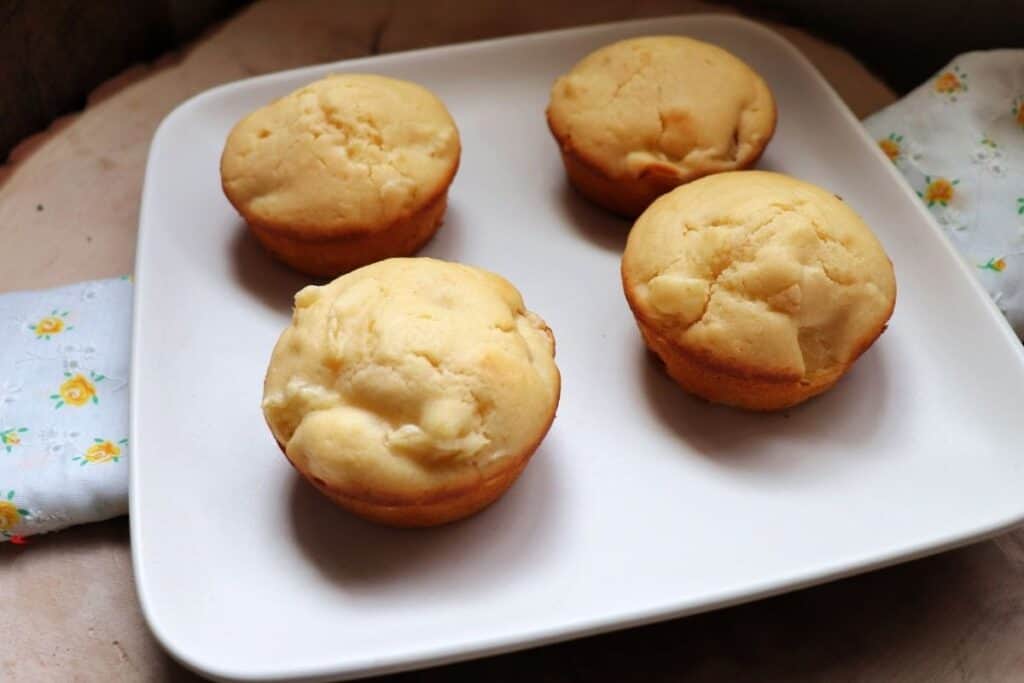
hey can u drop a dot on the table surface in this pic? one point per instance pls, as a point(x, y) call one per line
point(68, 211)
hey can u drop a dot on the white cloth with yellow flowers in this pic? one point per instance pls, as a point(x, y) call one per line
point(64, 406)
point(959, 141)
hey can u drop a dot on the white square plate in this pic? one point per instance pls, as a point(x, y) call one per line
point(642, 503)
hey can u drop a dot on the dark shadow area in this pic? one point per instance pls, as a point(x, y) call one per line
point(63, 49)
point(263, 276)
point(55, 52)
point(768, 163)
point(928, 34)
point(474, 554)
point(446, 242)
point(169, 670)
point(840, 420)
point(108, 534)
point(871, 627)
point(597, 225)
point(275, 283)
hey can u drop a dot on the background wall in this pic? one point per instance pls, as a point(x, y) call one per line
point(902, 41)
point(54, 52)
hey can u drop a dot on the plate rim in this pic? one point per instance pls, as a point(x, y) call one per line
point(439, 656)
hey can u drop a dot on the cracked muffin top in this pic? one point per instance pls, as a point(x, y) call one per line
point(664, 106)
point(410, 376)
point(349, 153)
point(759, 274)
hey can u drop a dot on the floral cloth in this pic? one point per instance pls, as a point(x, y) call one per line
point(958, 139)
point(64, 406)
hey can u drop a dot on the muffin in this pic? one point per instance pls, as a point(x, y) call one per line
point(412, 391)
point(639, 117)
point(756, 289)
point(346, 171)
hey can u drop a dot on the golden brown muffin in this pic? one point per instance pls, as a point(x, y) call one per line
point(412, 391)
point(756, 289)
point(346, 171)
point(642, 116)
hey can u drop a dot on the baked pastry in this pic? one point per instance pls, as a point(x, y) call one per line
point(756, 289)
point(412, 391)
point(348, 170)
point(642, 116)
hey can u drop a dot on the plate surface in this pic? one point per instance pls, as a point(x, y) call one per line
point(642, 503)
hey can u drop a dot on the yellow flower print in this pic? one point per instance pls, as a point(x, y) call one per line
point(102, 451)
point(938, 191)
point(77, 390)
point(52, 324)
point(891, 149)
point(951, 82)
point(891, 146)
point(947, 82)
point(9, 438)
point(10, 514)
point(996, 265)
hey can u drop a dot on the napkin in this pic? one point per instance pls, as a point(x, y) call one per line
point(958, 139)
point(64, 446)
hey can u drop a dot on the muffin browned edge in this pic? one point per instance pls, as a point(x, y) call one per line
point(331, 251)
point(440, 507)
point(737, 384)
point(630, 197)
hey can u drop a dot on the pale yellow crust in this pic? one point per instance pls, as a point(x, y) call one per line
point(412, 391)
point(642, 116)
point(342, 172)
point(755, 289)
